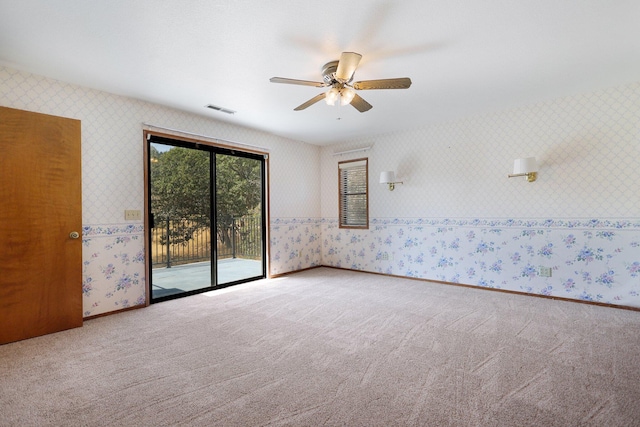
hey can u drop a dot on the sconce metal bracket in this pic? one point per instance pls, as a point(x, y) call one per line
point(531, 176)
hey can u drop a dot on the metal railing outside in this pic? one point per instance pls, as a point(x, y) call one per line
point(176, 241)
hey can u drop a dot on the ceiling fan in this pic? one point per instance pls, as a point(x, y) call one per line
point(338, 75)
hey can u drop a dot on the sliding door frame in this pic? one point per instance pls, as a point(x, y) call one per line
point(213, 148)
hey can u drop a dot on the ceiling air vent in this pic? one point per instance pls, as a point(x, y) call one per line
point(221, 109)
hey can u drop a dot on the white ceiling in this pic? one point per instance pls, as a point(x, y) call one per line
point(464, 56)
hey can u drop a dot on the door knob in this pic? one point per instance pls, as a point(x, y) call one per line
point(74, 235)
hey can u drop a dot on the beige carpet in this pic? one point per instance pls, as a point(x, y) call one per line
point(335, 348)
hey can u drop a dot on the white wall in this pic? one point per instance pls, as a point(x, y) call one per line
point(112, 177)
point(458, 218)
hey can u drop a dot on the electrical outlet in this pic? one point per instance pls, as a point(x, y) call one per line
point(132, 215)
point(544, 271)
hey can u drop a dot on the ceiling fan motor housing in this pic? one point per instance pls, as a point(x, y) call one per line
point(329, 72)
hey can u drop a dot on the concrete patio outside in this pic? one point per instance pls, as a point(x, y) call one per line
point(189, 277)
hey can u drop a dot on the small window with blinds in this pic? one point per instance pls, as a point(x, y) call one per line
point(353, 193)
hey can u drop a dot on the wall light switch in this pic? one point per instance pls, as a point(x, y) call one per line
point(132, 215)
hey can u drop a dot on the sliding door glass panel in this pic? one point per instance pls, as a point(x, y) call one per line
point(239, 218)
point(180, 207)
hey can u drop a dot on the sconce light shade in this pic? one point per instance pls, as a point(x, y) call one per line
point(525, 167)
point(387, 177)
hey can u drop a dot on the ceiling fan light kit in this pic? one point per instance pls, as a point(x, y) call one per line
point(338, 75)
point(332, 96)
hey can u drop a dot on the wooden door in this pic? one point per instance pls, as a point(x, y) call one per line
point(40, 206)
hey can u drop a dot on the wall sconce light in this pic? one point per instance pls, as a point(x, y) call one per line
point(389, 177)
point(525, 167)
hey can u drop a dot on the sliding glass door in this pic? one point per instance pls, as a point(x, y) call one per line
point(239, 219)
point(207, 216)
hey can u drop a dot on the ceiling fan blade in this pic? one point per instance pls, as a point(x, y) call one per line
point(399, 83)
point(360, 104)
point(310, 102)
point(296, 82)
point(347, 66)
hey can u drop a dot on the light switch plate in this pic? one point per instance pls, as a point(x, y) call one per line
point(132, 215)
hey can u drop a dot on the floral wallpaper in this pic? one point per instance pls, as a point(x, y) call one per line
point(295, 244)
point(591, 260)
point(113, 273)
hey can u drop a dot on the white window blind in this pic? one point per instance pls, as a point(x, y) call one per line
point(353, 180)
